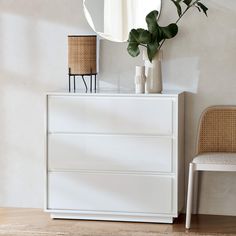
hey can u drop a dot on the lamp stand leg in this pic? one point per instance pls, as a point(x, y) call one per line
point(91, 83)
point(86, 87)
point(95, 83)
point(69, 85)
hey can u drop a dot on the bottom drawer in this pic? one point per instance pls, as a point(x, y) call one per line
point(110, 192)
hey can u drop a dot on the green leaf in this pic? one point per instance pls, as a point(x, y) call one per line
point(133, 36)
point(152, 49)
point(140, 36)
point(137, 37)
point(133, 49)
point(187, 2)
point(151, 20)
point(170, 31)
point(177, 4)
point(203, 7)
point(144, 36)
point(158, 35)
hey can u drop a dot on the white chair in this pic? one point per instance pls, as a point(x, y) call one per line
point(216, 149)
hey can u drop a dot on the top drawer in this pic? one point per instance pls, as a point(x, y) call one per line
point(110, 115)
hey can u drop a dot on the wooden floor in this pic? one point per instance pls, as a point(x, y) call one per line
point(36, 222)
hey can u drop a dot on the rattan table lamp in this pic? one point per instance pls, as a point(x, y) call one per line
point(82, 59)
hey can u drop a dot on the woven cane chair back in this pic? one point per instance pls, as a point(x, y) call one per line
point(217, 130)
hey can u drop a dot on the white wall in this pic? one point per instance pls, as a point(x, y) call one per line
point(33, 60)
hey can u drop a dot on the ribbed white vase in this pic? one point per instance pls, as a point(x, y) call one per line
point(140, 79)
point(153, 73)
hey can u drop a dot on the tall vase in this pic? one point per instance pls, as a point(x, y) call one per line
point(153, 73)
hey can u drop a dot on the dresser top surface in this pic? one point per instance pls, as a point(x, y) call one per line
point(115, 93)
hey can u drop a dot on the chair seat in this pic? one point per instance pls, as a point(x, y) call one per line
point(219, 158)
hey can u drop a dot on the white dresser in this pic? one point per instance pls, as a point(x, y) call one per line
point(115, 156)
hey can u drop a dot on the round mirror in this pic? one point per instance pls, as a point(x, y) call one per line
point(113, 19)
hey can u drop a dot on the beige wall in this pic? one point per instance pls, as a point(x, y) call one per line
point(33, 59)
point(201, 60)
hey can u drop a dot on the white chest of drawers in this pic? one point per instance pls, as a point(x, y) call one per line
point(115, 156)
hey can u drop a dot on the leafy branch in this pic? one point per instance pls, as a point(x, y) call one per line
point(154, 38)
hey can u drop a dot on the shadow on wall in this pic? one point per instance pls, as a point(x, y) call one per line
point(175, 78)
point(34, 37)
point(117, 69)
point(33, 60)
point(54, 11)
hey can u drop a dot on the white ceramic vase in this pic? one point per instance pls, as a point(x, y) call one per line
point(153, 73)
point(140, 79)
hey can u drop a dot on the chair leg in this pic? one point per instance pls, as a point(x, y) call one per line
point(195, 192)
point(190, 195)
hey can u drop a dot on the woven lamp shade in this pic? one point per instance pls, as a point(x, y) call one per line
point(82, 55)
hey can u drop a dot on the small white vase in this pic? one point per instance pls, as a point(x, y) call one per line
point(140, 79)
point(153, 73)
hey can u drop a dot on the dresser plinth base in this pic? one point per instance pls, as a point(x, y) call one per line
point(114, 217)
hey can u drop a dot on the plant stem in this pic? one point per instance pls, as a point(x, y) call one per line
point(180, 17)
point(186, 10)
point(143, 45)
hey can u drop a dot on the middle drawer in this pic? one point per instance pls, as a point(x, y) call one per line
point(109, 153)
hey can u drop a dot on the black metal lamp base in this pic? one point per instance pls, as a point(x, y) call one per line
point(85, 84)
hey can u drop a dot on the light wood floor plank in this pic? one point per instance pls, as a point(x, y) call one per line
point(17, 222)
